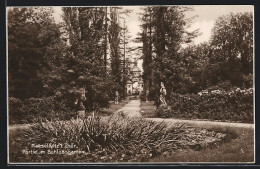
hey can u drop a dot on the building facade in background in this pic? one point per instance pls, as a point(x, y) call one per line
point(134, 84)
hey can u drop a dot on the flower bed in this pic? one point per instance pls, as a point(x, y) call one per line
point(117, 139)
point(234, 105)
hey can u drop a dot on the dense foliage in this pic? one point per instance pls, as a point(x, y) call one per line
point(192, 68)
point(50, 60)
point(33, 109)
point(235, 106)
point(30, 30)
point(47, 59)
point(231, 55)
point(164, 31)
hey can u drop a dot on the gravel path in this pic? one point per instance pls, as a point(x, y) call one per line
point(132, 108)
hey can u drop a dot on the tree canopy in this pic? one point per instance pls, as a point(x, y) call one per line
point(30, 30)
point(88, 51)
point(226, 58)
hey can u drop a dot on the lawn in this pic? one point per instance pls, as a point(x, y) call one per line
point(240, 149)
point(113, 107)
point(148, 109)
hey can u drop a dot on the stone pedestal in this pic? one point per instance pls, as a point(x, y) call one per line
point(164, 106)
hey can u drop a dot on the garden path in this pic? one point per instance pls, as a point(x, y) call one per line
point(132, 108)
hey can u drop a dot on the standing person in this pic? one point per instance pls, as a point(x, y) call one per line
point(162, 94)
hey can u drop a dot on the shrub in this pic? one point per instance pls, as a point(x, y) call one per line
point(223, 86)
point(30, 110)
point(152, 94)
point(143, 95)
point(234, 105)
point(248, 80)
point(15, 110)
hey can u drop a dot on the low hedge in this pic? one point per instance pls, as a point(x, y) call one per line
point(234, 106)
point(32, 109)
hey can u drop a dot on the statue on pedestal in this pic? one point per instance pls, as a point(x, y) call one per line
point(147, 94)
point(81, 98)
point(162, 95)
point(116, 97)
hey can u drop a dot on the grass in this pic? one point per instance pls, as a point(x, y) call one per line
point(148, 109)
point(113, 108)
point(240, 149)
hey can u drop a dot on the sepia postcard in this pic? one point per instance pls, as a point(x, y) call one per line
point(162, 84)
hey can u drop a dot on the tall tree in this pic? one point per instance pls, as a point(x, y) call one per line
point(117, 34)
point(232, 47)
point(126, 53)
point(114, 40)
point(86, 29)
point(146, 39)
point(168, 25)
point(194, 67)
point(29, 32)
